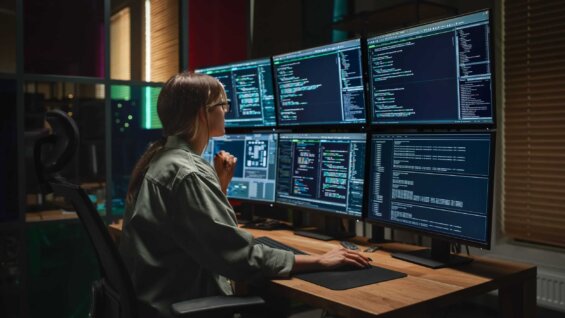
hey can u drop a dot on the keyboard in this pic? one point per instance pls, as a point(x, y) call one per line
point(266, 224)
point(314, 235)
point(276, 244)
point(349, 245)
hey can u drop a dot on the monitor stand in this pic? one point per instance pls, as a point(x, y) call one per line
point(244, 213)
point(437, 257)
point(378, 235)
point(333, 230)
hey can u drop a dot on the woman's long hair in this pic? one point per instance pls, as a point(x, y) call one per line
point(178, 105)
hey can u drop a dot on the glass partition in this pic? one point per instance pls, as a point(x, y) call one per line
point(47, 104)
point(8, 36)
point(8, 154)
point(144, 40)
point(134, 126)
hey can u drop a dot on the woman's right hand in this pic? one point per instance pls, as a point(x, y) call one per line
point(225, 164)
point(335, 258)
point(343, 257)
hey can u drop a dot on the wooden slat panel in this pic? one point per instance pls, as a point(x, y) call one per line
point(534, 118)
point(550, 102)
point(549, 214)
point(164, 39)
point(547, 208)
point(535, 235)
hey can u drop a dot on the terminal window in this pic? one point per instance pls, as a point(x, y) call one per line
point(322, 171)
point(438, 73)
point(434, 183)
point(254, 176)
point(250, 92)
point(323, 85)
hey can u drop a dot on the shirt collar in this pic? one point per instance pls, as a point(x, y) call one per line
point(178, 142)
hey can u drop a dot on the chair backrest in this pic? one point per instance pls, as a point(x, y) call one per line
point(53, 152)
point(113, 296)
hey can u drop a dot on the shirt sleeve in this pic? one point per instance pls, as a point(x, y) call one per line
point(203, 225)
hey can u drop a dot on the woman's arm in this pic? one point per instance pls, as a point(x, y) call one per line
point(225, 164)
point(333, 259)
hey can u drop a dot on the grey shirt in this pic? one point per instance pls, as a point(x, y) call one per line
point(180, 239)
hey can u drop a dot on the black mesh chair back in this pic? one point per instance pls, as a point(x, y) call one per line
point(113, 295)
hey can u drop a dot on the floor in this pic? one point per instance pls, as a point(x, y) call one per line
point(484, 307)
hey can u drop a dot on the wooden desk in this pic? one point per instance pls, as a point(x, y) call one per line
point(50, 215)
point(419, 294)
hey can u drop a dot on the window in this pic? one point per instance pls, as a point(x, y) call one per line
point(534, 118)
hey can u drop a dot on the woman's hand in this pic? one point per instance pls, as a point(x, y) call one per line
point(224, 163)
point(335, 258)
point(343, 257)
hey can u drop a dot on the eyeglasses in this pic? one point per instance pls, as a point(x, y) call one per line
point(225, 106)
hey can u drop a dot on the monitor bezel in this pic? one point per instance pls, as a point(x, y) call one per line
point(342, 125)
point(322, 211)
point(267, 59)
point(446, 125)
point(435, 235)
point(249, 200)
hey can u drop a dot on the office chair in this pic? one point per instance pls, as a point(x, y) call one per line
point(56, 149)
point(113, 295)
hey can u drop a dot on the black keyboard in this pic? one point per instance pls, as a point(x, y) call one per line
point(349, 245)
point(276, 244)
point(266, 224)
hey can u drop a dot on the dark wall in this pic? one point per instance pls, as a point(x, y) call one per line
point(217, 32)
point(64, 37)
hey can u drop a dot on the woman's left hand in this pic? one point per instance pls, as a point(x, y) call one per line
point(225, 164)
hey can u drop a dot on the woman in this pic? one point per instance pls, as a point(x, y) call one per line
point(180, 238)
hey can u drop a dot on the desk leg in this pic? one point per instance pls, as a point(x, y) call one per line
point(518, 300)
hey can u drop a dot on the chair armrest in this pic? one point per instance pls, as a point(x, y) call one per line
point(215, 303)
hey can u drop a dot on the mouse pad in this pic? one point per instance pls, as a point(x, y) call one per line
point(346, 279)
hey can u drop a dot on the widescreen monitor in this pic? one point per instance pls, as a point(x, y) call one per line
point(435, 184)
point(321, 86)
point(254, 176)
point(322, 172)
point(250, 92)
point(433, 74)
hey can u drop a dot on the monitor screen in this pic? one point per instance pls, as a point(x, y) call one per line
point(254, 176)
point(321, 86)
point(433, 183)
point(437, 73)
point(322, 172)
point(250, 93)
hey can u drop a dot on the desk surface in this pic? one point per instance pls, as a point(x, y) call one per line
point(418, 294)
point(50, 215)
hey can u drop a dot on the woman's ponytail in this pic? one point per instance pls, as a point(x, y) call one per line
point(140, 168)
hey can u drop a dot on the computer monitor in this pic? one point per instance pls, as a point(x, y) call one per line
point(434, 74)
point(438, 185)
point(254, 176)
point(250, 92)
point(321, 86)
point(323, 172)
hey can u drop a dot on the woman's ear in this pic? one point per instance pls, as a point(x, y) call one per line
point(202, 113)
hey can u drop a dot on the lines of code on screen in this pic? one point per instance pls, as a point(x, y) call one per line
point(250, 92)
point(322, 171)
point(437, 183)
point(322, 85)
point(435, 73)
